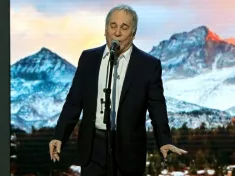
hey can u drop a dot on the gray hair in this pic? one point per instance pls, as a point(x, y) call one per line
point(127, 9)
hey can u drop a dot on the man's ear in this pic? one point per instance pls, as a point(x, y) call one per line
point(134, 33)
point(105, 30)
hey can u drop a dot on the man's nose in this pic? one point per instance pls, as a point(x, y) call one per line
point(117, 32)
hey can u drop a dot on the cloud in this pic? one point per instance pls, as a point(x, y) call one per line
point(218, 15)
point(68, 27)
point(70, 33)
point(66, 35)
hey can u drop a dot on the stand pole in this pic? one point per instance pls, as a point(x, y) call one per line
point(107, 119)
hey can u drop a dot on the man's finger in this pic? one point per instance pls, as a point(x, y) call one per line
point(51, 148)
point(183, 151)
point(57, 157)
point(58, 146)
point(164, 153)
point(178, 151)
point(53, 158)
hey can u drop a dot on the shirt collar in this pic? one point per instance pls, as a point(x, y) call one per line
point(106, 52)
point(126, 55)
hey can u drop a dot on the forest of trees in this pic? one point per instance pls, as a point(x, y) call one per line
point(207, 148)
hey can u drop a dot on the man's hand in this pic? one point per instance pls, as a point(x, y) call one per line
point(54, 148)
point(165, 148)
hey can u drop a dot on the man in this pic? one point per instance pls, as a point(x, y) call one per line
point(138, 89)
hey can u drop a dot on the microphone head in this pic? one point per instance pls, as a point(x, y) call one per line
point(115, 42)
point(114, 45)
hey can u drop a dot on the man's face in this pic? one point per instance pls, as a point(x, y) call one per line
point(120, 27)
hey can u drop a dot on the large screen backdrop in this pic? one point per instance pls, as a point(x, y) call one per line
point(195, 41)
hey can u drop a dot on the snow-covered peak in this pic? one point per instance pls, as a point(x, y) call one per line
point(189, 54)
point(231, 111)
point(43, 65)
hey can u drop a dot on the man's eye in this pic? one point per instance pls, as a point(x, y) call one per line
point(113, 26)
point(124, 27)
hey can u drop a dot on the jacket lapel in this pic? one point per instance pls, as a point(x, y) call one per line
point(98, 55)
point(96, 66)
point(130, 73)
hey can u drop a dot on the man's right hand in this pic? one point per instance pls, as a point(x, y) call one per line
point(54, 148)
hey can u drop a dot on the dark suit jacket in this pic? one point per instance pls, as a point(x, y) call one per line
point(142, 90)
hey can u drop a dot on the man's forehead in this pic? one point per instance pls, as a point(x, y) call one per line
point(121, 16)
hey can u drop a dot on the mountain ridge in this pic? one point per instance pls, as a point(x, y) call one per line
point(188, 54)
point(40, 83)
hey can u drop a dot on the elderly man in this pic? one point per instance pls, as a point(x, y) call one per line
point(138, 88)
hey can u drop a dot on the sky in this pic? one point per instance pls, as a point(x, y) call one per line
point(69, 27)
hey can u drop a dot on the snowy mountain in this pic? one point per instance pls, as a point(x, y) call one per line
point(198, 75)
point(198, 67)
point(213, 90)
point(189, 54)
point(43, 65)
point(230, 40)
point(39, 85)
point(180, 112)
point(231, 111)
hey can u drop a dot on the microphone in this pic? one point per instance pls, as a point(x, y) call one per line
point(114, 46)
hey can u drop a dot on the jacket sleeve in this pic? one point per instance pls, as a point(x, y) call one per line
point(72, 107)
point(157, 108)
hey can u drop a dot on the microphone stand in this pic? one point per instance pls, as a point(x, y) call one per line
point(107, 118)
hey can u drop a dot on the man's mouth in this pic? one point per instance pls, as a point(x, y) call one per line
point(117, 40)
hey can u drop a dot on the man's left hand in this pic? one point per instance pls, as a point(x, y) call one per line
point(166, 148)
